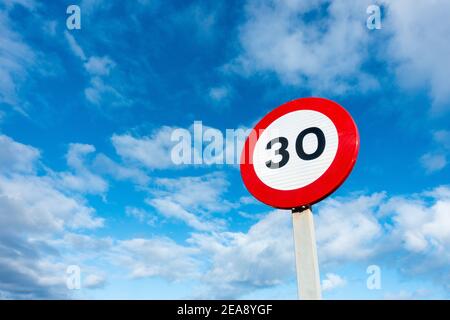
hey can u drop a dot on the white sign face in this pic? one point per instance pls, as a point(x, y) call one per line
point(295, 150)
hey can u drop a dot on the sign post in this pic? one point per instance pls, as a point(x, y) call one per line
point(306, 261)
point(296, 156)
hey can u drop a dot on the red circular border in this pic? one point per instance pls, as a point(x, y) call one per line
point(329, 181)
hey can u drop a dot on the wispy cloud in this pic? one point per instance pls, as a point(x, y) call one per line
point(16, 57)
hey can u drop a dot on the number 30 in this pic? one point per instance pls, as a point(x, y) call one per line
point(282, 150)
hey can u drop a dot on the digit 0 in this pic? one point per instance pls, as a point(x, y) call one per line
point(320, 144)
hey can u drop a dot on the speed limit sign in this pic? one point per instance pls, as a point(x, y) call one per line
point(297, 155)
point(302, 152)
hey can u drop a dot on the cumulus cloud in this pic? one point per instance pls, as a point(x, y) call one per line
point(107, 166)
point(17, 157)
point(241, 262)
point(420, 56)
point(192, 200)
point(34, 211)
point(160, 257)
point(170, 147)
point(44, 227)
point(356, 228)
point(329, 54)
point(348, 229)
point(94, 281)
point(141, 215)
point(82, 179)
point(438, 159)
point(197, 192)
point(170, 209)
point(333, 281)
point(83, 243)
point(326, 55)
point(88, 170)
point(34, 204)
point(420, 225)
point(152, 152)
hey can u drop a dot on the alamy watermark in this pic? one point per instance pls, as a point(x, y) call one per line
point(374, 279)
point(73, 21)
point(374, 20)
point(204, 145)
point(73, 277)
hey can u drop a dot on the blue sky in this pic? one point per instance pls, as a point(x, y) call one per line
point(86, 177)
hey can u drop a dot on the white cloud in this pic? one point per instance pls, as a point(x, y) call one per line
point(358, 228)
point(104, 165)
point(33, 203)
point(74, 46)
point(82, 179)
point(348, 229)
point(100, 66)
point(29, 4)
point(91, 6)
point(419, 225)
point(87, 171)
point(246, 200)
point(41, 225)
point(156, 257)
point(437, 160)
point(242, 262)
point(332, 281)
point(83, 243)
point(16, 57)
point(202, 193)
point(171, 209)
point(441, 192)
point(17, 157)
point(218, 94)
point(408, 295)
point(417, 49)
point(158, 151)
point(433, 162)
point(192, 200)
point(98, 92)
point(329, 54)
point(34, 211)
point(326, 55)
point(442, 137)
point(152, 152)
point(94, 281)
point(141, 215)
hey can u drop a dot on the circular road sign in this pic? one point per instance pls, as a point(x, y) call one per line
point(299, 153)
